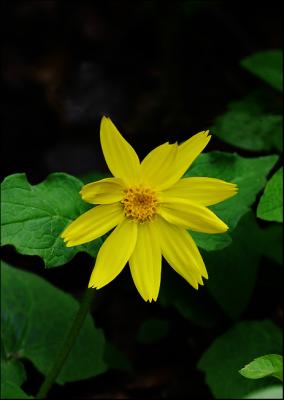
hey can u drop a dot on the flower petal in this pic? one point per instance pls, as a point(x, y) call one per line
point(114, 254)
point(157, 166)
point(205, 191)
point(190, 149)
point(145, 263)
point(181, 253)
point(105, 191)
point(190, 215)
point(93, 224)
point(167, 163)
point(120, 157)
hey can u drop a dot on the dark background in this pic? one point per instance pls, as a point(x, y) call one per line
point(162, 71)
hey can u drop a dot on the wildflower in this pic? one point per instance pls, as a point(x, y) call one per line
point(151, 208)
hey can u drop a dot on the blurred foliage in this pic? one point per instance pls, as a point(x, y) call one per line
point(115, 359)
point(152, 330)
point(248, 124)
point(230, 351)
point(268, 66)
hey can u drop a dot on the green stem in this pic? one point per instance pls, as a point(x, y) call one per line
point(67, 344)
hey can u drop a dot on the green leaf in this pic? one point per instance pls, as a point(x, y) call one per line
point(270, 207)
point(10, 390)
point(250, 176)
point(230, 351)
point(269, 392)
point(34, 216)
point(152, 330)
point(266, 65)
point(270, 364)
point(35, 319)
point(246, 125)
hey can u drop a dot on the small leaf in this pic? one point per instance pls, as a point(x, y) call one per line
point(10, 390)
point(250, 176)
point(35, 327)
point(152, 330)
point(266, 65)
point(270, 364)
point(270, 207)
point(230, 352)
point(34, 216)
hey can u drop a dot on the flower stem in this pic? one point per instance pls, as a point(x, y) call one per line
point(67, 344)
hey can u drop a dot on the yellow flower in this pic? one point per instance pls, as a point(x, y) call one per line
point(151, 208)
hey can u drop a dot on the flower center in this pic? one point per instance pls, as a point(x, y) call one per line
point(139, 203)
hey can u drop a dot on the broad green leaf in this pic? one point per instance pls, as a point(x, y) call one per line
point(248, 126)
point(269, 392)
point(266, 65)
point(270, 364)
point(35, 319)
point(10, 390)
point(152, 330)
point(34, 216)
point(270, 207)
point(236, 266)
point(250, 176)
point(232, 350)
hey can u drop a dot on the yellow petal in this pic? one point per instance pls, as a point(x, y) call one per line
point(187, 153)
point(190, 149)
point(145, 263)
point(157, 166)
point(190, 215)
point(105, 191)
point(180, 251)
point(205, 191)
point(120, 157)
point(114, 254)
point(166, 164)
point(93, 224)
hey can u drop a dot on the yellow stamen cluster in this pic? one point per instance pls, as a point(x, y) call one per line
point(139, 203)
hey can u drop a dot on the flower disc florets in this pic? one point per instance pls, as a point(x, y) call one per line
point(139, 203)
